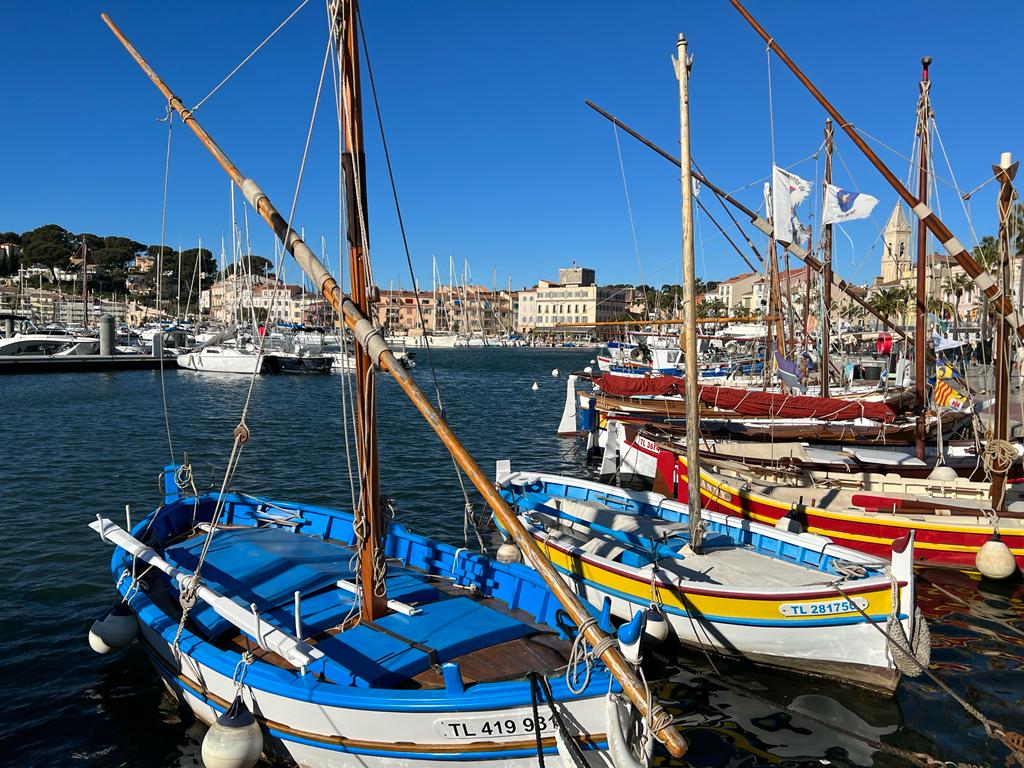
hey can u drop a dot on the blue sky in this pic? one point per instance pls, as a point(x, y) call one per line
point(497, 159)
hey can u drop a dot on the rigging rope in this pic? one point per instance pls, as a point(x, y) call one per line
point(241, 431)
point(629, 206)
point(1013, 741)
point(160, 277)
point(247, 58)
point(468, 517)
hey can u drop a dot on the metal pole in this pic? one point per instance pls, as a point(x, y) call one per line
point(368, 337)
point(920, 305)
point(683, 62)
point(935, 225)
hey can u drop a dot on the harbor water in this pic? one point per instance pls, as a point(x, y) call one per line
point(78, 445)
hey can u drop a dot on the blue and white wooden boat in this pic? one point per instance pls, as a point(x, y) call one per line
point(440, 679)
point(322, 638)
point(770, 595)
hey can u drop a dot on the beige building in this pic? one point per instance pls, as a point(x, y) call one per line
point(896, 258)
point(242, 295)
point(463, 309)
point(737, 292)
point(574, 299)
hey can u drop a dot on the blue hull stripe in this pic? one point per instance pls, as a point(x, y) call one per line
point(398, 753)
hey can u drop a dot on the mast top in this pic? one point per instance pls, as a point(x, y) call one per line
point(926, 61)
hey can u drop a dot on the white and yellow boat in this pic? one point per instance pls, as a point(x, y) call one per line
point(775, 597)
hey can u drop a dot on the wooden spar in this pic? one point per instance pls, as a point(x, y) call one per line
point(826, 272)
point(789, 302)
point(373, 600)
point(935, 225)
point(759, 222)
point(673, 321)
point(1004, 173)
point(920, 305)
point(683, 62)
point(368, 336)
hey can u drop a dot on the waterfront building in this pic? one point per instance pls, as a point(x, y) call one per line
point(575, 298)
point(472, 309)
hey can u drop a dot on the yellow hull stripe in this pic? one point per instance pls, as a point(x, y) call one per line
point(753, 607)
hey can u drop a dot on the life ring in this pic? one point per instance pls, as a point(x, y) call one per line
point(731, 347)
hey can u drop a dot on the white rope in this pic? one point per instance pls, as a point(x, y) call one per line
point(963, 197)
point(629, 206)
point(160, 279)
point(580, 655)
point(246, 59)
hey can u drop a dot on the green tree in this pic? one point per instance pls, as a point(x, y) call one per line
point(956, 285)
point(112, 255)
point(50, 245)
point(986, 253)
point(253, 265)
point(10, 237)
point(191, 273)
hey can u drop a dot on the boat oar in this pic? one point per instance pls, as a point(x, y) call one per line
point(369, 337)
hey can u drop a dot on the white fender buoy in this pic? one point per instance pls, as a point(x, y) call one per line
point(655, 625)
point(588, 369)
point(994, 560)
point(508, 553)
point(943, 473)
point(554, 373)
point(618, 746)
point(630, 634)
point(592, 361)
point(114, 630)
point(234, 740)
point(535, 386)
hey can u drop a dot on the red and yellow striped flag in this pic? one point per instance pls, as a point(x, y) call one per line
point(945, 396)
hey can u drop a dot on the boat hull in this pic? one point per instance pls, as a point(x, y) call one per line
point(310, 734)
point(318, 718)
point(811, 627)
point(226, 362)
point(950, 541)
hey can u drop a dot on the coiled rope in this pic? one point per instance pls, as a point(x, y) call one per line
point(580, 655)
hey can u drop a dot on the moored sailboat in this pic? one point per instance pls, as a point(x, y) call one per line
point(333, 639)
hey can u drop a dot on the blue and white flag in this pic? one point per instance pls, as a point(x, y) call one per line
point(842, 205)
point(788, 372)
point(788, 191)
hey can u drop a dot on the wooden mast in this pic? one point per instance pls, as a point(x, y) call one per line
point(369, 338)
point(826, 272)
point(920, 303)
point(682, 65)
point(935, 225)
point(1004, 173)
point(368, 513)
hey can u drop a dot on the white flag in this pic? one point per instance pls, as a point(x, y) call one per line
point(788, 191)
point(842, 205)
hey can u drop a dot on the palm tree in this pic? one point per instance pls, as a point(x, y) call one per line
point(956, 285)
point(986, 253)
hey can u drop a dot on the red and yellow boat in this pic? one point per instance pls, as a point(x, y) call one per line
point(945, 537)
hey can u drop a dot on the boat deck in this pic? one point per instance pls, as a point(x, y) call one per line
point(266, 566)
